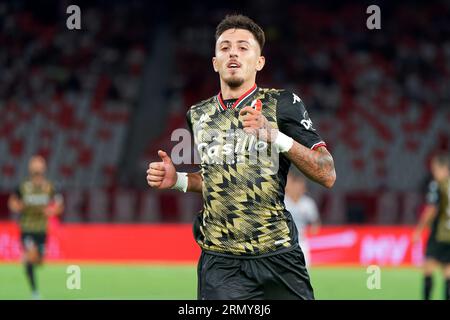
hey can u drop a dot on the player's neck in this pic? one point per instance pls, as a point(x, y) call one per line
point(228, 92)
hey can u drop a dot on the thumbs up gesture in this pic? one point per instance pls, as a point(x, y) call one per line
point(162, 175)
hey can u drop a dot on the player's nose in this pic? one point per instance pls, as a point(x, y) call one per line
point(233, 52)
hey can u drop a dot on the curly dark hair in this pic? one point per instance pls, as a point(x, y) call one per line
point(442, 158)
point(239, 21)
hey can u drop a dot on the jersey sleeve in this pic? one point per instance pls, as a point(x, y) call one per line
point(190, 127)
point(294, 121)
point(188, 121)
point(432, 197)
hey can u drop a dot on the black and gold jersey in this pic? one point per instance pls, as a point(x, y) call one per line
point(35, 198)
point(244, 177)
point(439, 196)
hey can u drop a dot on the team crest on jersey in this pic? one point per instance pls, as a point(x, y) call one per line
point(256, 104)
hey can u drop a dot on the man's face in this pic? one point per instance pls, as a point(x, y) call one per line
point(37, 168)
point(238, 57)
point(440, 172)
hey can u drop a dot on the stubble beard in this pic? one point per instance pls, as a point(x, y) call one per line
point(234, 82)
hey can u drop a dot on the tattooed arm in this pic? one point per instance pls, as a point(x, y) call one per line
point(308, 151)
point(317, 165)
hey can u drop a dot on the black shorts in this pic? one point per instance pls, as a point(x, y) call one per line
point(439, 251)
point(34, 238)
point(280, 276)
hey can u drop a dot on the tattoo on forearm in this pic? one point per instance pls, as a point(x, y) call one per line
point(317, 165)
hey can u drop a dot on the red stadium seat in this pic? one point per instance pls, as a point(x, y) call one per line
point(67, 171)
point(16, 147)
point(8, 170)
point(85, 157)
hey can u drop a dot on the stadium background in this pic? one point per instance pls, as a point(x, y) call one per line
point(99, 102)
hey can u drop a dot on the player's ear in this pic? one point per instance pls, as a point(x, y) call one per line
point(214, 62)
point(260, 64)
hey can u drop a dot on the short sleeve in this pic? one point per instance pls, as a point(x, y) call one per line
point(432, 197)
point(294, 121)
point(188, 120)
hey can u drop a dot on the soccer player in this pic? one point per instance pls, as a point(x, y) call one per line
point(248, 239)
point(35, 201)
point(303, 209)
point(437, 212)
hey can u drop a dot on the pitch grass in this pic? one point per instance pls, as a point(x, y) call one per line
point(171, 282)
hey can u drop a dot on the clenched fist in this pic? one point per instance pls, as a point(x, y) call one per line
point(254, 122)
point(162, 175)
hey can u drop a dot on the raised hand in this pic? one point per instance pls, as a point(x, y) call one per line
point(162, 175)
point(254, 122)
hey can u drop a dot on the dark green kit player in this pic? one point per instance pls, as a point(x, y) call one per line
point(247, 137)
point(35, 201)
point(437, 212)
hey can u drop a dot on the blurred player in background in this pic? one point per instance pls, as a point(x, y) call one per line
point(437, 213)
point(303, 209)
point(249, 241)
point(35, 201)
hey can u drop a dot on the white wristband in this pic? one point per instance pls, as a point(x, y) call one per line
point(283, 143)
point(182, 182)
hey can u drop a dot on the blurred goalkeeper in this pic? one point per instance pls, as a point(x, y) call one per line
point(248, 239)
point(437, 213)
point(35, 201)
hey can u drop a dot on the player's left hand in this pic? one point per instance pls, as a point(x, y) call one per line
point(254, 122)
